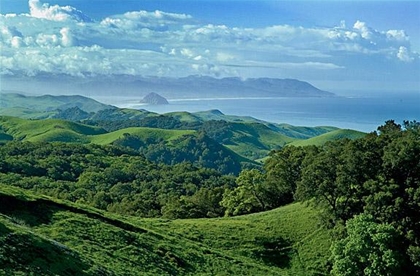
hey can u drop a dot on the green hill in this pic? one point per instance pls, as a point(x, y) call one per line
point(47, 130)
point(251, 140)
point(14, 104)
point(143, 133)
point(249, 137)
point(330, 136)
point(69, 239)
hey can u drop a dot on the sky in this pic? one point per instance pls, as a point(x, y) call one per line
point(335, 45)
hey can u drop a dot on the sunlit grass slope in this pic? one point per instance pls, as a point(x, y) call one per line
point(330, 136)
point(50, 129)
point(55, 237)
point(143, 132)
point(302, 132)
point(289, 238)
point(254, 140)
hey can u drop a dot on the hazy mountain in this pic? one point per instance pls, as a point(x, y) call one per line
point(208, 87)
point(170, 88)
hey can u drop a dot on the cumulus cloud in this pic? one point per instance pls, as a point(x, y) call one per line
point(363, 29)
point(67, 39)
point(56, 12)
point(62, 39)
point(135, 20)
point(404, 55)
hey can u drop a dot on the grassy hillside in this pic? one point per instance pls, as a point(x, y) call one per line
point(251, 140)
point(69, 239)
point(302, 132)
point(47, 130)
point(330, 136)
point(14, 104)
point(141, 132)
point(254, 140)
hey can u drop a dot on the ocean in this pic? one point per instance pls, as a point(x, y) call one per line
point(358, 113)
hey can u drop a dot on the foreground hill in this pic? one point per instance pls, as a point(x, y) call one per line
point(57, 237)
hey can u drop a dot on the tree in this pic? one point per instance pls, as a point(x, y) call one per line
point(248, 196)
point(283, 170)
point(335, 175)
point(369, 249)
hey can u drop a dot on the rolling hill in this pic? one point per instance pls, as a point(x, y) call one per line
point(82, 120)
point(330, 136)
point(250, 138)
point(143, 133)
point(48, 130)
point(19, 105)
point(42, 236)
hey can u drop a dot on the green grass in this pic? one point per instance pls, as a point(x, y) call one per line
point(218, 115)
point(85, 241)
point(251, 140)
point(289, 238)
point(19, 105)
point(142, 132)
point(254, 140)
point(36, 130)
point(23, 112)
point(330, 136)
point(60, 135)
point(302, 132)
point(184, 116)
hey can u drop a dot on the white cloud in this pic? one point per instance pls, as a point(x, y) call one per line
point(62, 39)
point(157, 20)
point(56, 12)
point(397, 35)
point(364, 30)
point(404, 55)
point(67, 39)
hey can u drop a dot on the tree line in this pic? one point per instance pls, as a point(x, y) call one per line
point(372, 183)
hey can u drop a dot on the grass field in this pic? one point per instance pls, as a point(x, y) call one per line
point(55, 237)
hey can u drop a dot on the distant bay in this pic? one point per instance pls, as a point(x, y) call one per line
point(359, 113)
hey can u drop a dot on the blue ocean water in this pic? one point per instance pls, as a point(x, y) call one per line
point(359, 113)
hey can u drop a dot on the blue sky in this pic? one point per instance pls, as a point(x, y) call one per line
point(347, 45)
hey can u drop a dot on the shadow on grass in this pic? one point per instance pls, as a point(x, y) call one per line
point(26, 254)
point(274, 252)
point(31, 213)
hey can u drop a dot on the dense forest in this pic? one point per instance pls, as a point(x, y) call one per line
point(367, 189)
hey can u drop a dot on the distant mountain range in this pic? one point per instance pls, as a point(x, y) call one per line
point(205, 87)
point(171, 88)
